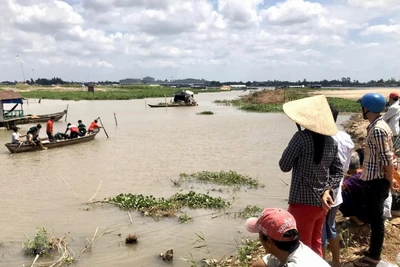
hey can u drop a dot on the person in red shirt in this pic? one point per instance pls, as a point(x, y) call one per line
point(94, 127)
point(49, 129)
point(74, 131)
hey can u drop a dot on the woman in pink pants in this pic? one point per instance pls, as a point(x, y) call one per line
point(312, 155)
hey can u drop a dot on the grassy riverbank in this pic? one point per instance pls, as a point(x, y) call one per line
point(273, 100)
point(103, 93)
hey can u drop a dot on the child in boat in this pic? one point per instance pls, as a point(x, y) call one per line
point(15, 138)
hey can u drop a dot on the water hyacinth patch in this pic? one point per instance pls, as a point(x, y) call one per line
point(230, 178)
point(158, 207)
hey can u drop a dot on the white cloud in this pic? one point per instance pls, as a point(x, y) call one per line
point(293, 12)
point(212, 39)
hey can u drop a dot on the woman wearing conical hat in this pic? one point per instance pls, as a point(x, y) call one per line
point(312, 155)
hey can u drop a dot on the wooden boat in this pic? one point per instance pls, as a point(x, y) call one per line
point(34, 118)
point(16, 148)
point(170, 105)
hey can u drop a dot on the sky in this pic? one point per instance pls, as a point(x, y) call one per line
point(224, 40)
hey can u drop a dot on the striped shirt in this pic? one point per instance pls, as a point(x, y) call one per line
point(310, 180)
point(378, 151)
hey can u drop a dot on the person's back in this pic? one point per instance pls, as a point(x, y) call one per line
point(307, 176)
point(303, 256)
point(82, 128)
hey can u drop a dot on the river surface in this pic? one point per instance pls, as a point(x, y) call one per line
point(147, 149)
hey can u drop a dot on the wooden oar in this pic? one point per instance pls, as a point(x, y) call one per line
point(103, 127)
point(66, 114)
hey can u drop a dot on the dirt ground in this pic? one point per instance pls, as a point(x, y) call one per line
point(356, 93)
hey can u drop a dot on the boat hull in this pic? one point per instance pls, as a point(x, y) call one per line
point(16, 148)
point(170, 106)
point(34, 119)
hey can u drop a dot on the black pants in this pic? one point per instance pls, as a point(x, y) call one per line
point(74, 135)
point(374, 193)
point(50, 136)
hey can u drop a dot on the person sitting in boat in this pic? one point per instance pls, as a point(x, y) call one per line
point(15, 137)
point(82, 128)
point(32, 136)
point(49, 129)
point(73, 129)
point(94, 127)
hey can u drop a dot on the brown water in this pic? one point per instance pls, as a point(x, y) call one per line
point(147, 149)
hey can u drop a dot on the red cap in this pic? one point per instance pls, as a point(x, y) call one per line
point(394, 95)
point(274, 223)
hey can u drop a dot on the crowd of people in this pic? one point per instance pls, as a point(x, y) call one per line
point(32, 135)
point(328, 175)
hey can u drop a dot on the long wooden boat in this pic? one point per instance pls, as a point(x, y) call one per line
point(170, 105)
point(34, 118)
point(16, 148)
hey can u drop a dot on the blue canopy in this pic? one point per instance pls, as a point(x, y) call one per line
point(12, 101)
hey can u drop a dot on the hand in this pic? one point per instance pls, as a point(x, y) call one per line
point(327, 200)
point(393, 184)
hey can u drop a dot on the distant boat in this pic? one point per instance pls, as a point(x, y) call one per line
point(30, 118)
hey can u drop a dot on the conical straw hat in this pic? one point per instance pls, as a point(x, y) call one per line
point(312, 113)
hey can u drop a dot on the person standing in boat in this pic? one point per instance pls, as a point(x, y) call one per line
point(73, 129)
point(32, 136)
point(82, 128)
point(94, 127)
point(49, 129)
point(15, 137)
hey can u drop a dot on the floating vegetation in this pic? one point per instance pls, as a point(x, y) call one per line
point(205, 113)
point(249, 211)
point(184, 218)
point(131, 239)
point(39, 245)
point(162, 207)
point(230, 178)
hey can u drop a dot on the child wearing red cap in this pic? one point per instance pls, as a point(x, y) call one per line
point(279, 237)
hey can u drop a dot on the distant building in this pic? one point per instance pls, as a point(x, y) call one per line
point(130, 81)
point(189, 82)
point(148, 79)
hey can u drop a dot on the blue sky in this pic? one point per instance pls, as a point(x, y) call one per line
point(215, 39)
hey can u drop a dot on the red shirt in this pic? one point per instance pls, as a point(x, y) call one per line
point(93, 126)
point(49, 127)
point(74, 129)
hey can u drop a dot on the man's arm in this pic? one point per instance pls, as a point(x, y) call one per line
point(292, 152)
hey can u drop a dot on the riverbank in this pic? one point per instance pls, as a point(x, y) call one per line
point(273, 100)
point(101, 92)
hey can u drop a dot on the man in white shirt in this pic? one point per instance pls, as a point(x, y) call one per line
point(345, 146)
point(392, 116)
point(279, 237)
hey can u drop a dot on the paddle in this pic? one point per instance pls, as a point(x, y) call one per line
point(103, 127)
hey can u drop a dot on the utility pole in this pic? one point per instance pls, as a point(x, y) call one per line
point(22, 68)
point(33, 74)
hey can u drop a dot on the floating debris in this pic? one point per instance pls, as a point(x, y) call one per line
point(131, 239)
point(167, 256)
point(205, 113)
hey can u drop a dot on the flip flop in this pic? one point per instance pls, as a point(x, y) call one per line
point(364, 262)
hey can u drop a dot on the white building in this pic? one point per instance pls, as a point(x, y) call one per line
point(130, 81)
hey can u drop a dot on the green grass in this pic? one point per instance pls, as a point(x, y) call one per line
point(342, 104)
point(39, 244)
point(119, 93)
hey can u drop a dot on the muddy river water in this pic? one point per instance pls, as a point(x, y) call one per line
point(147, 149)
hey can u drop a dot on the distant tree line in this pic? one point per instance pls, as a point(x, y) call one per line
point(343, 82)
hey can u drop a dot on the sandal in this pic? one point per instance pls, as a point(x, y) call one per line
point(365, 262)
point(364, 253)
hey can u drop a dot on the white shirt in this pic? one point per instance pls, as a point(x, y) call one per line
point(303, 256)
point(15, 137)
point(345, 146)
point(392, 117)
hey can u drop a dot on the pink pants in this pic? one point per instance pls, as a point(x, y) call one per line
point(309, 221)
